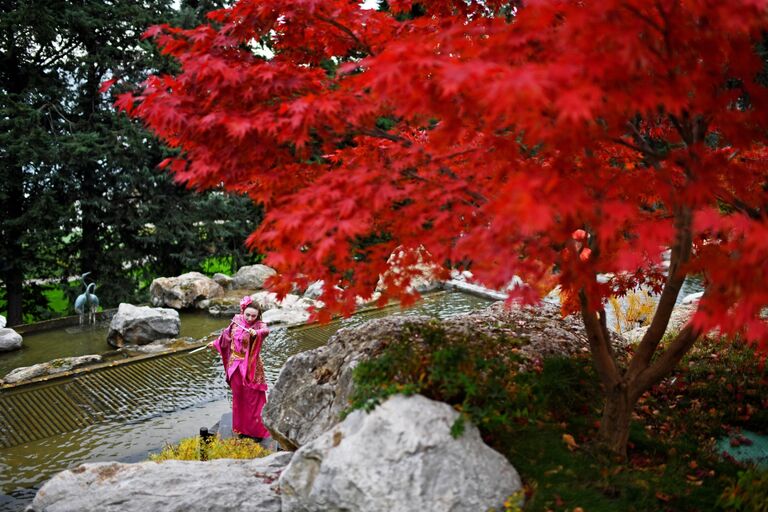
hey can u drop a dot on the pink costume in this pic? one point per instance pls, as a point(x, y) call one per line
point(244, 371)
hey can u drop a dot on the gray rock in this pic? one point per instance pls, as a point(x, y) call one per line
point(139, 325)
point(9, 340)
point(2, 321)
point(252, 277)
point(170, 486)
point(53, 367)
point(223, 280)
point(399, 457)
point(315, 386)
point(314, 290)
point(184, 291)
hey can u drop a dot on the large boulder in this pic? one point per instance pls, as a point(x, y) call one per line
point(53, 367)
point(314, 387)
point(184, 291)
point(399, 457)
point(252, 277)
point(170, 486)
point(9, 340)
point(139, 325)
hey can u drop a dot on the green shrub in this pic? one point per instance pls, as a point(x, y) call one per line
point(471, 372)
point(748, 494)
point(217, 448)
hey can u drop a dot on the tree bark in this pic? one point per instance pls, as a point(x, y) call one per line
point(614, 425)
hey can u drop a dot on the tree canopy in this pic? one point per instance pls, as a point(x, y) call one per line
point(558, 141)
point(79, 188)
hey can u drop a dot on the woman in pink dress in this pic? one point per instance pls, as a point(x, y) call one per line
point(240, 347)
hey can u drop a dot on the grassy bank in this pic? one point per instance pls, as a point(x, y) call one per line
point(545, 420)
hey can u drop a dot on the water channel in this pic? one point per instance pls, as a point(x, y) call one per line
point(127, 412)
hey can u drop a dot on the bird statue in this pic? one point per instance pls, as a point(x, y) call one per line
point(87, 303)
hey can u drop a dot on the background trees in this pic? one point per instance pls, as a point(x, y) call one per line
point(558, 142)
point(79, 189)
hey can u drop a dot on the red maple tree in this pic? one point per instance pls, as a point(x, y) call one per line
point(560, 141)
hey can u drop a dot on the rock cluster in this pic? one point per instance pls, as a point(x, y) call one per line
point(399, 457)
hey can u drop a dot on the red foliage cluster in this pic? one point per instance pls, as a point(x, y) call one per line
point(556, 141)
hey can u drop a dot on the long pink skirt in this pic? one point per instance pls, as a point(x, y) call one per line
point(247, 403)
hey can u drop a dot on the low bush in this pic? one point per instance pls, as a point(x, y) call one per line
point(216, 448)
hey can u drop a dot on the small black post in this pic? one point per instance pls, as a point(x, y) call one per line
point(205, 438)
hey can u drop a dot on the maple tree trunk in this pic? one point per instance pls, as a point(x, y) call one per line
point(614, 425)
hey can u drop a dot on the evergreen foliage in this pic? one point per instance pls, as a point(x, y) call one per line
point(79, 187)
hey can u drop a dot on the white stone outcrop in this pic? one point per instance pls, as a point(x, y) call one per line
point(252, 277)
point(399, 457)
point(185, 291)
point(139, 325)
point(9, 340)
point(53, 367)
point(170, 486)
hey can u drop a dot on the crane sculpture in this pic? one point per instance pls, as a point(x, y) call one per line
point(87, 303)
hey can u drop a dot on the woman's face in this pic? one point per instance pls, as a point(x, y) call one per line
point(251, 314)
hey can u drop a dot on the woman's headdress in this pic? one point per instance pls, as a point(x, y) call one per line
point(245, 302)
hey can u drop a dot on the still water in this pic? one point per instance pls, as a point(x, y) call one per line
point(81, 340)
point(146, 419)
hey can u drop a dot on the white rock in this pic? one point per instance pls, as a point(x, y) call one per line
point(9, 340)
point(184, 291)
point(285, 316)
point(400, 457)
point(139, 325)
point(170, 486)
point(2, 321)
point(692, 298)
point(314, 290)
point(252, 277)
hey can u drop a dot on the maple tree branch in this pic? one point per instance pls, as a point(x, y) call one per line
point(645, 18)
point(381, 134)
point(349, 32)
point(666, 361)
point(681, 253)
point(739, 205)
point(599, 343)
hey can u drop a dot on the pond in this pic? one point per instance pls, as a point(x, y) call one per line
point(136, 417)
point(81, 340)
